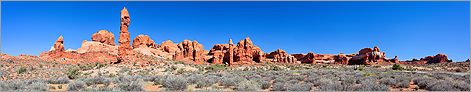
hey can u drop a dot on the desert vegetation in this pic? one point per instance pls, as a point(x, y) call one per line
point(177, 76)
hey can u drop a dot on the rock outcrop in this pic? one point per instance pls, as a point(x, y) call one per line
point(190, 51)
point(280, 56)
point(143, 41)
point(124, 48)
point(97, 47)
point(369, 56)
point(104, 36)
point(247, 53)
point(439, 58)
point(59, 45)
point(143, 49)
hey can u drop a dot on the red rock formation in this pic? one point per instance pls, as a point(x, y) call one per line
point(247, 53)
point(104, 36)
point(281, 56)
point(143, 41)
point(59, 45)
point(342, 59)
point(190, 51)
point(308, 58)
point(168, 46)
point(97, 47)
point(371, 56)
point(219, 52)
point(439, 58)
point(124, 48)
point(222, 53)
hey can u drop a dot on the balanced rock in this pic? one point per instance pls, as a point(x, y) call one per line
point(104, 36)
point(143, 41)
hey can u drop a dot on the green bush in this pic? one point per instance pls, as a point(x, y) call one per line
point(397, 67)
point(72, 72)
point(21, 70)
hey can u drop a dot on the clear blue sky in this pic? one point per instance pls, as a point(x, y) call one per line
point(406, 29)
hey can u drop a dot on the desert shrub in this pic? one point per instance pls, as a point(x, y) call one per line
point(230, 81)
point(76, 86)
point(329, 85)
point(322, 81)
point(370, 85)
point(299, 87)
point(296, 78)
point(127, 78)
point(462, 86)
point(21, 70)
point(101, 88)
point(61, 80)
point(194, 79)
point(402, 82)
point(248, 85)
point(176, 83)
point(38, 86)
point(265, 84)
point(387, 81)
point(97, 80)
point(278, 86)
point(72, 72)
point(397, 67)
point(422, 82)
point(204, 83)
point(441, 85)
point(149, 78)
point(12, 85)
point(131, 86)
point(216, 67)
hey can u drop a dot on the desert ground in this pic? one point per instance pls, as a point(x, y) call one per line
point(167, 75)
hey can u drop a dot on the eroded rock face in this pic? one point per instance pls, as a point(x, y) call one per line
point(104, 36)
point(247, 53)
point(190, 51)
point(56, 51)
point(143, 41)
point(97, 47)
point(219, 52)
point(439, 58)
point(371, 56)
point(124, 48)
point(59, 45)
point(168, 46)
point(280, 56)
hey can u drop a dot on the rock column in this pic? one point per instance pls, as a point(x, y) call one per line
point(124, 48)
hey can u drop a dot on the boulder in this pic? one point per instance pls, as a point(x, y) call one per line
point(143, 41)
point(104, 36)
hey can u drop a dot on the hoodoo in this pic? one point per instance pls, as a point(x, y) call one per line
point(124, 48)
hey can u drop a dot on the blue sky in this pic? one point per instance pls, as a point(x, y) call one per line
point(406, 29)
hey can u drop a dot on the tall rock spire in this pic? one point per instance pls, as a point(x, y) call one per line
point(124, 48)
